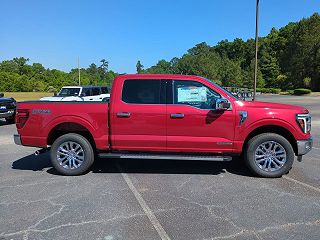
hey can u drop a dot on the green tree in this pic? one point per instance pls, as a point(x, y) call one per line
point(301, 57)
point(21, 64)
point(103, 68)
point(230, 73)
point(139, 67)
point(94, 73)
point(248, 77)
point(161, 67)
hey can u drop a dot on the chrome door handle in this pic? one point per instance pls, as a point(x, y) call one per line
point(123, 114)
point(177, 115)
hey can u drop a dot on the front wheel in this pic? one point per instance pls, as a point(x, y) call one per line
point(72, 154)
point(269, 155)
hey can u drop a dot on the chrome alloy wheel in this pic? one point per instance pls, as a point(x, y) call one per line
point(70, 155)
point(270, 156)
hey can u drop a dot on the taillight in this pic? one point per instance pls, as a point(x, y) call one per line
point(22, 116)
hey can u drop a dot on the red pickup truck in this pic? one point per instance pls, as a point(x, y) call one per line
point(162, 116)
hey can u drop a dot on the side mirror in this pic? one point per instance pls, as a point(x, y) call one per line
point(1, 95)
point(222, 104)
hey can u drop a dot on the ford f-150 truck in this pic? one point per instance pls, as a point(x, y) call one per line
point(160, 116)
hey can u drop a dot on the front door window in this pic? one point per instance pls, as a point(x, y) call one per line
point(195, 94)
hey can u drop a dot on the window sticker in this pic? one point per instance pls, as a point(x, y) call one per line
point(192, 94)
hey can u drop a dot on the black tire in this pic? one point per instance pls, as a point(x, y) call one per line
point(11, 120)
point(257, 169)
point(87, 154)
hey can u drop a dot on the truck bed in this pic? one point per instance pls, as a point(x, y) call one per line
point(45, 118)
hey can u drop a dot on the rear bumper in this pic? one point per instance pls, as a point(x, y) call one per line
point(7, 114)
point(304, 146)
point(17, 139)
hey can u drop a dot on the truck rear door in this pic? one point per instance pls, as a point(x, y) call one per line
point(138, 115)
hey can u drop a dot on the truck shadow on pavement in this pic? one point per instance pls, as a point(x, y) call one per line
point(33, 162)
point(237, 166)
point(170, 167)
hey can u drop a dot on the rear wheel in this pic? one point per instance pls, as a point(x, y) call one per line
point(269, 155)
point(72, 154)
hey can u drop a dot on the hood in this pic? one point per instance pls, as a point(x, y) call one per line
point(54, 98)
point(57, 98)
point(270, 105)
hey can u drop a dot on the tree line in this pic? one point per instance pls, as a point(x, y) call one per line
point(17, 75)
point(288, 58)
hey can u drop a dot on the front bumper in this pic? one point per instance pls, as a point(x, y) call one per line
point(304, 146)
point(7, 114)
point(17, 139)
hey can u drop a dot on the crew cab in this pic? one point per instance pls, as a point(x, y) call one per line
point(80, 93)
point(7, 108)
point(159, 116)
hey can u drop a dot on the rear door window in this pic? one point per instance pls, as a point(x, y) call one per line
point(141, 91)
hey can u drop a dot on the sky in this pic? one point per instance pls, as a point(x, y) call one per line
point(57, 32)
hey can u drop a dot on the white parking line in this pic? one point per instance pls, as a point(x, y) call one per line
point(154, 221)
point(302, 183)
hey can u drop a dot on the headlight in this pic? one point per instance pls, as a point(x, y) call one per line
point(304, 121)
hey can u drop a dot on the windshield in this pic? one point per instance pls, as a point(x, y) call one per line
point(67, 92)
point(223, 89)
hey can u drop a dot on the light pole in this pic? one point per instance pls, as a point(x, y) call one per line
point(256, 56)
point(79, 79)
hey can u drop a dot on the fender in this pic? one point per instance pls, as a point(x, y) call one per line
point(70, 119)
point(265, 122)
point(244, 131)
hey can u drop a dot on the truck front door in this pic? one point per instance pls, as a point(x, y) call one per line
point(193, 124)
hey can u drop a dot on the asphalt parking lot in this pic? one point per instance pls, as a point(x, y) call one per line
point(149, 199)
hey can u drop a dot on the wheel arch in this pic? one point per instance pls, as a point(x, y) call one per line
point(70, 127)
point(282, 131)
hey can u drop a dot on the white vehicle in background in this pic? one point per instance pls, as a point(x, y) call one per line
point(81, 93)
